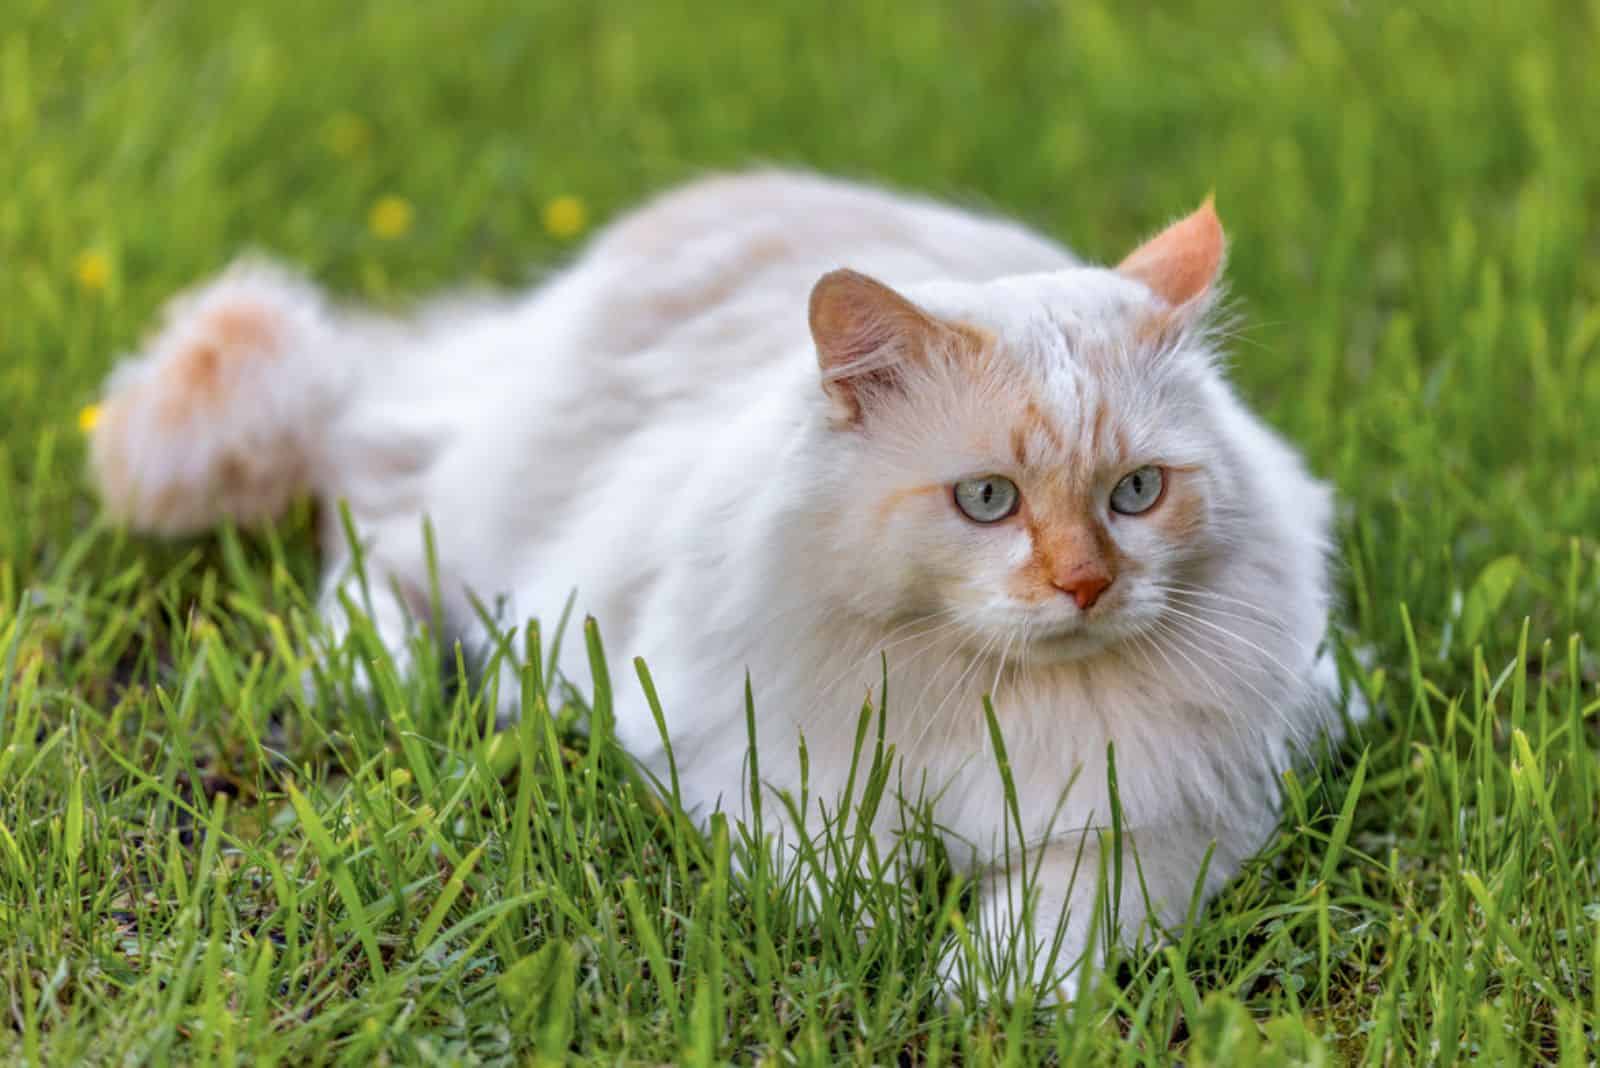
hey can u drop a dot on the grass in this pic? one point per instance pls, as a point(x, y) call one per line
point(199, 864)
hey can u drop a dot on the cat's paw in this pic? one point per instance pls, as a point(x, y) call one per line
point(212, 418)
point(992, 965)
point(961, 977)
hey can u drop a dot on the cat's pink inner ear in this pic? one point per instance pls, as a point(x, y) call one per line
point(863, 330)
point(1183, 261)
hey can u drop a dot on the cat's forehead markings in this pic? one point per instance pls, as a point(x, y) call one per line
point(977, 344)
point(1102, 413)
point(1081, 382)
point(1034, 420)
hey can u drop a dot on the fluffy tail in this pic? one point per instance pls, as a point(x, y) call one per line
point(223, 413)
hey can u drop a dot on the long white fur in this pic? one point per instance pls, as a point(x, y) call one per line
point(648, 429)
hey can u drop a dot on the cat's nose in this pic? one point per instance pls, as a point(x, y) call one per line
point(1084, 585)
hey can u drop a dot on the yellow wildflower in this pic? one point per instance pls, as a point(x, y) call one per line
point(390, 217)
point(88, 417)
point(93, 270)
point(565, 217)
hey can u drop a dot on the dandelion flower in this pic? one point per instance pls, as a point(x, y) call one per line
point(565, 217)
point(88, 417)
point(390, 217)
point(92, 270)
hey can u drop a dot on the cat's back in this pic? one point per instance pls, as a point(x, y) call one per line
point(730, 259)
point(791, 217)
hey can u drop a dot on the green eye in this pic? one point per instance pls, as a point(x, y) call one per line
point(1138, 492)
point(988, 499)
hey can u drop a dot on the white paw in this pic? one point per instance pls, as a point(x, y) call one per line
point(993, 971)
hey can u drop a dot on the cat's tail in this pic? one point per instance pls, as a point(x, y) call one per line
point(224, 412)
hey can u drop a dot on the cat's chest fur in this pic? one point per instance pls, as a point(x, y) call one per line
point(1066, 728)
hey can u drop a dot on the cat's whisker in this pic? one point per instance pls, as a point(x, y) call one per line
point(1163, 627)
point(1191, 587)
point(934, 677)
point(1190, 601)
point(1235, 636)
point(875, 649)
point(942, 613)
point(1191, 641)
point(1022, 658)
point(1176, 586)
point(927, 721)
point(929, 639)
point(1183, 645)
point(1214, 654)
point(954, 689)
point(1226, 598)
point(1000, 666)
point(1146, 641)
point(970, 672)
point(858, 662)
point(1222, 705)
point(932, 643)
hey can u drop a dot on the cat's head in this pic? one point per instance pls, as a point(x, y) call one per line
point(1039, 459)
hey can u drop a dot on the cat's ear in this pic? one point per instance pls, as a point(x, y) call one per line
point(1182, 263)
point(865, 334)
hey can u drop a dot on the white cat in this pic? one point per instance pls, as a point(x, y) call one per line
point(1011, 474)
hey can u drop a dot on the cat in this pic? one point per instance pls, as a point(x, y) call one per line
point(790, 427)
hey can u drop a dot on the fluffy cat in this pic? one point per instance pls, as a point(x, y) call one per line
point(1011, 474)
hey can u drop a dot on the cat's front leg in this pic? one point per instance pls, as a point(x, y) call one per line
point(347, 604)
point(1043, 918)
point(374, 596)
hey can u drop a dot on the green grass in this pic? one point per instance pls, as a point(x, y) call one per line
point(198, 864)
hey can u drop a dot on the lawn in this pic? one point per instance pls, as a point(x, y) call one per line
point(199, 863)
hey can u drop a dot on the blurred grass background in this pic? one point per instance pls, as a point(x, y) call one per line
point(1412, 193)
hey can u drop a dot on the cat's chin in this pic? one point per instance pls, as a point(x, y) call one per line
point(1079, 640)
point(1066, 646)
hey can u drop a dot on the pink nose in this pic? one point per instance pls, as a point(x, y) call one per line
point(1084, 585)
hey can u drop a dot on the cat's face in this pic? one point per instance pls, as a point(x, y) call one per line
point(1032, 460)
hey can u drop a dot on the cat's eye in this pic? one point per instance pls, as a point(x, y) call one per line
point(988, 499)
point(1138, 492)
